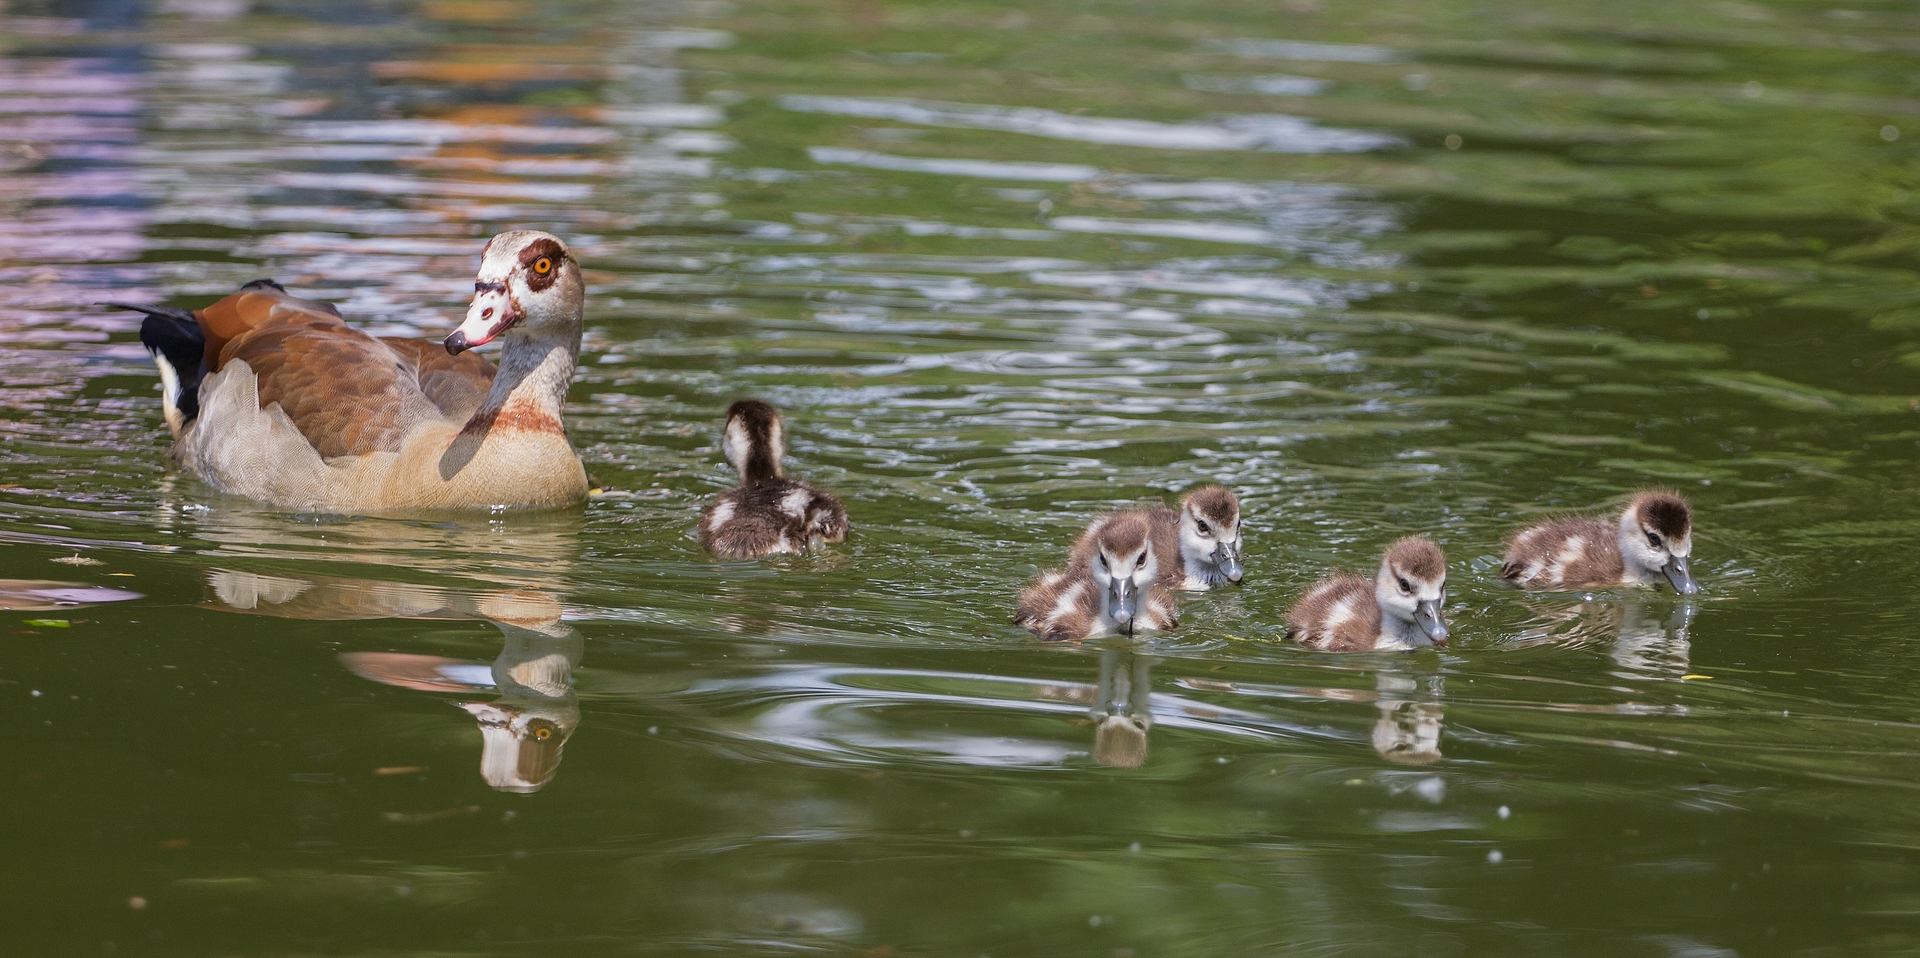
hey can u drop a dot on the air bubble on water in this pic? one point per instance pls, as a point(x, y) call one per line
point(1505, 813)
point(1494, 857)
point(1433, 788)
point(1889, 133)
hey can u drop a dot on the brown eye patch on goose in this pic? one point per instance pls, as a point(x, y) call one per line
point(538, 253)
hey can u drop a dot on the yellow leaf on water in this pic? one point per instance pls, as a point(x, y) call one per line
point(1694, 675)
point(47, 623)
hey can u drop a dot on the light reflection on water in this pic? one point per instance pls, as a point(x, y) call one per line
point(1000, 275)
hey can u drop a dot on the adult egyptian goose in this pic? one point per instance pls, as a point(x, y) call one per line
point(767, 513)
point(278, 399)
point(1653, 537)
point(1113, 586)
point(1204, 532)
point(1397, 611)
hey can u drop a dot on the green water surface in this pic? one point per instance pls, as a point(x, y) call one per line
point(1383, 267)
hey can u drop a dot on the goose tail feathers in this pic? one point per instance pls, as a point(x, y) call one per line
point(178, 347)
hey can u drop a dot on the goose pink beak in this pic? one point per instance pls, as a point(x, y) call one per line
point(493, 312)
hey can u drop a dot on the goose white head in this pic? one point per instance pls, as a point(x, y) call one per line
point(1656, 538)
point(1210, 533)
point(528, 281)
point(1411, 587)
point(1123, 567)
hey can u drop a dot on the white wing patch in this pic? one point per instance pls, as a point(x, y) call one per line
point(795, 503)
point(1339, 615)
point(720, 515)
point(1574, 551)
point(1069, 601)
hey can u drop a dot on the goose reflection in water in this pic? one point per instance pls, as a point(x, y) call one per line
point(523, 729)
point(1645, 637)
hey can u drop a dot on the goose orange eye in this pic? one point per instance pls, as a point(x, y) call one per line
point(543, 266)
point(543, 733)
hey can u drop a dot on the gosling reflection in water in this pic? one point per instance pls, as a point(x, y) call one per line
point(1645, 639)
point(1408, 728)
point(1650, 645)
point(1121, 714)
point(523, 730)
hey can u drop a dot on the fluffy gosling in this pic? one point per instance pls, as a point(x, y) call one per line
point(767, 513)
point(1652, 538)
point(1113, 585)
point(1204, 532)
point(1399, 610)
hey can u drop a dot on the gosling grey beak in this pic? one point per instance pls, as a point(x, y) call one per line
point(1676, 570)
point(1120, 600)
point(1427, 615)
point(1226, 556)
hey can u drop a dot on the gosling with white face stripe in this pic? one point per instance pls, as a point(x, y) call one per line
point(1207, 528)
point(1111, 584)
point(1400, 610)
point(767, 513)
point(1197, 546)
point(1653, 539)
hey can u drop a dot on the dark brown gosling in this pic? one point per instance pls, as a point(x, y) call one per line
point(767, 513)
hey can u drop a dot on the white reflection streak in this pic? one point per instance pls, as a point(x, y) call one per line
point(383, 184)
point(1300, 50)
point(1270, 132)
point(1273, 85)
point(807, 702)
point(1212, 232)
point(980, 169)
point(434, 132)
